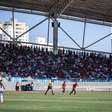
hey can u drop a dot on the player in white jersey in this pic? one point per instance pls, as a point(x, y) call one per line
point(1, 92)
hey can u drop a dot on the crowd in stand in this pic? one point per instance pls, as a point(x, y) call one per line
point(24, 61)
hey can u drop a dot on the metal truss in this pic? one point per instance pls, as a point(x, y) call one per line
point(70, 37)
point(98, 40)
point(46, 14)
point(6, 33)
point(59, 7)
point(55, 12)
point(59, 47)
point(32, 28)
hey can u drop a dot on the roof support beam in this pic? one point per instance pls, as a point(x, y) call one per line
point(6, 33)
point(33, 12)
point(83, 41)
point(48, 31)
point(99, 40)
point(13, 22)
point(60, 47)
point(91, 21)
point(59, 7)
point(70, 37)
point(55, 11)
point(31, 28)
point(55, 25)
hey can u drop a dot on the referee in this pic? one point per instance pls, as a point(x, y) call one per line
point(50, 84)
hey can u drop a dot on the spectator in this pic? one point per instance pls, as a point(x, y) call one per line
point(17, 86)
point(23, 61)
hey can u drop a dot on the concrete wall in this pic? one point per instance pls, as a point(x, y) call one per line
point(41, 85)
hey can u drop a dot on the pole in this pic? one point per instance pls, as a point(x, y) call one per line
point(55, 36)
point(84, 34)
point(13, 23)
point(48, 31)
point(111, 45)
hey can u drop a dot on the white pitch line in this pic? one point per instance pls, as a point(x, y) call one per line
point(41, 100)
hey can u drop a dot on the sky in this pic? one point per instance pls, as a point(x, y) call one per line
point(73, 28)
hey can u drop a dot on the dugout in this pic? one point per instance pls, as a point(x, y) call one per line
point(26, 85)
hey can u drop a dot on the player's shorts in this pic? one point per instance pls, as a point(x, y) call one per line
point(1, 92)
point(74, 89)
point(17, 88)
point(49, 87)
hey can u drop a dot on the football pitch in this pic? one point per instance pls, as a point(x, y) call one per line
point(38, 102)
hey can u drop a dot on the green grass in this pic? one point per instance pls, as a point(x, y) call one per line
point(38, 102)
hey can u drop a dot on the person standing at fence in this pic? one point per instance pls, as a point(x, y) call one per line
point(31, 86)
point(50, 87)
point(63, 87)
point(74, 88)
point(1, 91)
point(17, 87)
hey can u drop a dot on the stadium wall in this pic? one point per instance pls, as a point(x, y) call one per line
point(41, 85)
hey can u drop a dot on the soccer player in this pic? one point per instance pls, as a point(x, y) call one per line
point(74, 88)
point(50, 84)
point(63, 87)
point(1, 91)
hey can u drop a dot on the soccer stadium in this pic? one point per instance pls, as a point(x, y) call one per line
point(40, 71)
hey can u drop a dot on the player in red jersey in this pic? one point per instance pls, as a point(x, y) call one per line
point(74, 88)
point(63, 87)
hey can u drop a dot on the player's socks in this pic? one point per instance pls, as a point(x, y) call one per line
point(1, 98)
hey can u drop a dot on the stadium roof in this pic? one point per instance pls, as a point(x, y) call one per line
point(100, 10)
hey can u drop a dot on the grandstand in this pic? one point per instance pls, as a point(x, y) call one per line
point(28, 64)
point(41, 64)
point(59, 63)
